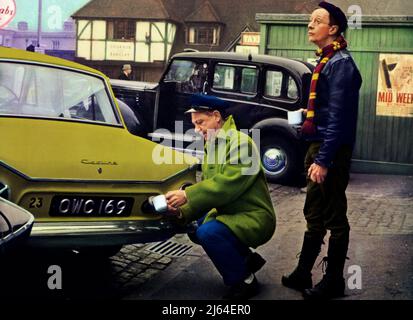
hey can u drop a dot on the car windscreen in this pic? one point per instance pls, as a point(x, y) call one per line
point(40, 91)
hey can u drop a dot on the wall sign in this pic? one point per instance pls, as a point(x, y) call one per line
point(119, 51)
point(395, 85)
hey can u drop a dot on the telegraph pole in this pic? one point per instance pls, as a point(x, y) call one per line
point(39, 23)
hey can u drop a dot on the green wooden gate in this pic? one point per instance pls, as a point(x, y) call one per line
point(384, 143)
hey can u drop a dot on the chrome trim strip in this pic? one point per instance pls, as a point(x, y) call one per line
point(255, 103)
point(6, 187)
point(101, 233)
point(236, 65)
point(174, 136)
point(22, 175)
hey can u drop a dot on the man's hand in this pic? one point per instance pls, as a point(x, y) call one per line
point(317, 173)
point(175, 199)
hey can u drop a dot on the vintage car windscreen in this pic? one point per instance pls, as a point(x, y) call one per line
point(38, 91)
point(180, 71)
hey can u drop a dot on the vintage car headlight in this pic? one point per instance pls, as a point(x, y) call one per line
point(4, 191)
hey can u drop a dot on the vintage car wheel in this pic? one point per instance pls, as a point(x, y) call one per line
point(279, 159)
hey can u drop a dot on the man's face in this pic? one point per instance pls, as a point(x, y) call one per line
point(206, 123)
point(319, 29)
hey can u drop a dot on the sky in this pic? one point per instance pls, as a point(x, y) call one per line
point(54, 13)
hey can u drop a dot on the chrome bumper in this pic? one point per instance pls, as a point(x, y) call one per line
point(86, 234)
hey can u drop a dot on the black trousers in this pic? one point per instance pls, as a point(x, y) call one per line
point(326, 204)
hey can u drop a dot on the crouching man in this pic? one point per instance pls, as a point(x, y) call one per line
point(231, 203)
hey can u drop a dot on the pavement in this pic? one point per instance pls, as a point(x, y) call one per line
point(380, 211)
point(380, 265)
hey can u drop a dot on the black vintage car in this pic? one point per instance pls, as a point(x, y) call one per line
point(260, 90)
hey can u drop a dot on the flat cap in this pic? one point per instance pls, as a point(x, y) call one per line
point(202, 102)
point(337, 14)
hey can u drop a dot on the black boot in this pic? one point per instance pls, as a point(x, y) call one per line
point(254, 262)
point(332, 285)
point(300, 278)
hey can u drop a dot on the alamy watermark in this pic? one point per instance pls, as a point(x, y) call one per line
point(354, 20)
point(231, 147)
point(54, 282)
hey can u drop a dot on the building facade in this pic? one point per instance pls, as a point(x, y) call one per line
point(145, 33)
point(60, 44)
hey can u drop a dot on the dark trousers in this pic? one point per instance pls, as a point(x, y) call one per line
point(225, 250)
point(326, 204)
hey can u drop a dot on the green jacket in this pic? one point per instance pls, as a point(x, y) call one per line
point(231, 191)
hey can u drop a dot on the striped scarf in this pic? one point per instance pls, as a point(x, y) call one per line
point(309, 127)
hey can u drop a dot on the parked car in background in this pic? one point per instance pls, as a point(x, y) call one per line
point(15, 226)
point(259, 89)
point(67, 157)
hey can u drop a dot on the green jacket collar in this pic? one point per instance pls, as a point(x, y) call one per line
point(228, 126)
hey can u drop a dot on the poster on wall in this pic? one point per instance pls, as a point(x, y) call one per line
point(395, 85)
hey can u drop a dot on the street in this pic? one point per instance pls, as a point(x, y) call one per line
point(380, 264)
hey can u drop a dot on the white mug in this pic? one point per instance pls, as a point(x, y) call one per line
point(160, 204)
point(295, 117)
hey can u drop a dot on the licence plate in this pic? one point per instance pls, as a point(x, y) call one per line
point(85, 206)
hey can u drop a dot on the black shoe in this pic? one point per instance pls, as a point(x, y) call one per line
point(243, 291)
point(327, 288)
point(254, 262)
point(297, 281)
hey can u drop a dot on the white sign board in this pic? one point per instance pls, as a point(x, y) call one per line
point(119, 51)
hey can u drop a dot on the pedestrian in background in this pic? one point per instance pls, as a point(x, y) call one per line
point(126, 72)
point(330, 127)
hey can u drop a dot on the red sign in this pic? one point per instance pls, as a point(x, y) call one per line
point(250, 38)
point(7, 12)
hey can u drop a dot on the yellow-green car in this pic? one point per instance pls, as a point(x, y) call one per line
point(66, 156)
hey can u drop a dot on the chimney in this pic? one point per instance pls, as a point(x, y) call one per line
point(22, 26)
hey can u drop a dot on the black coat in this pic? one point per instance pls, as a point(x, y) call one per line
point(123, 76)
point(336, 106)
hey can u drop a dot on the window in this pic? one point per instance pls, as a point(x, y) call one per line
point(273, 83)
point(236, 78)
point(292, 90)
point(121, 29)
point(180, 70)
point(49, 92)
point(56, 44)
point(203, 35)
point(280, 85)
point(224, 77)
point(249, 80)
point(190, 76)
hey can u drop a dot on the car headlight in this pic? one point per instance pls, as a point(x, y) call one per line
point(4, 191)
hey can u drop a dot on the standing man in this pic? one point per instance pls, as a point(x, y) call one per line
point(126, 72)
point(231, 203)
point(330, 127)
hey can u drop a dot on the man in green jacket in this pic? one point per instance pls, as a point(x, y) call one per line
point(231, 203)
